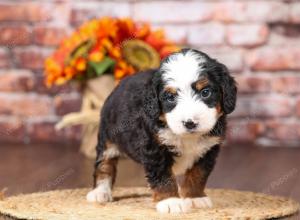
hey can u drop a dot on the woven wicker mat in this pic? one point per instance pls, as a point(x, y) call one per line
point(135, 203)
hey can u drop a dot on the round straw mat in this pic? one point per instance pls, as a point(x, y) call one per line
point(136, 203)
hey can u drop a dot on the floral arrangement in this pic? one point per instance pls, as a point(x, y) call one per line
point(107, 45)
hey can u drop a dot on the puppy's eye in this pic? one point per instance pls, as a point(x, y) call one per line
point(170, 97)
point(205, 93)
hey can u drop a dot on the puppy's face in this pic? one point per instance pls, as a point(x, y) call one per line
point(195, 91)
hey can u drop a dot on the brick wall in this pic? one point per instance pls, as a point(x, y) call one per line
point(258, 40)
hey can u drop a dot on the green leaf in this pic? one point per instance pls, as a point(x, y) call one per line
point(101, 67)
point(90, 71)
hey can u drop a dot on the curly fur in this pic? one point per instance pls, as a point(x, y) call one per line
point(133, 116)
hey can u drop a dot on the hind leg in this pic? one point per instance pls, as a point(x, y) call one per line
point(105, 173)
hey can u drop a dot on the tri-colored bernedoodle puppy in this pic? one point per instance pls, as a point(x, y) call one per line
point(172, 121)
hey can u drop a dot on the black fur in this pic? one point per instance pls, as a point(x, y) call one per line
point(130, 119)
point(219, 75)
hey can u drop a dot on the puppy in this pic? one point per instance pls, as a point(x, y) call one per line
point(171, 120)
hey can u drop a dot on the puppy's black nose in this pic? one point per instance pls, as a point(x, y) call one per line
point(189, 124)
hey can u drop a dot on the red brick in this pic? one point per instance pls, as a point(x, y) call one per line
point(264, 106)
point(274, 59)
point(244, 131)
point(12, 130)
point(49, 36)
point(66, 103)
point(4, 58)
point(279, 38)
point(248, 11)
point(253, 83)
point(233, 59)
point(16, 80)
point(295, 12)
point(243, 108)
point(25, 105)
point(272, 106)
point(43, 131)
point(271, 142)
point(298, 107)
point(61, 12)
point(247, 35)
point(172, 11)
point(73, 134)
point(206, 34)
point(283, 130)
point(286, 84)
point(40, 87)
point(31, 57)
point(84, 11)
point(25, 11)
point(14, 35)
point(176, 33)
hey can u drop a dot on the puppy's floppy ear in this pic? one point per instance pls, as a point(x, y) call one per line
point(229, 90)
point(151, 102)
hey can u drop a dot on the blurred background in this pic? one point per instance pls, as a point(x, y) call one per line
point(258, 40)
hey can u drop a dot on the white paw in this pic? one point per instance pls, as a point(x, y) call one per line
point(202, 202)
point(174, 205)
point(100, 194)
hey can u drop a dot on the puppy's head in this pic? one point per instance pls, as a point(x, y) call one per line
point(194, 91)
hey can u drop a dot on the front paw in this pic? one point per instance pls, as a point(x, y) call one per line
point(202, 202)
point(100, 195)
point(174, 205)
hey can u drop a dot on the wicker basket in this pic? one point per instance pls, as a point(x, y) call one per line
point(136, 204)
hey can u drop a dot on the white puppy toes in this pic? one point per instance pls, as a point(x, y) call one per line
point(187, 205)
point(174, 205)
point(102, 193)
point(202, 202)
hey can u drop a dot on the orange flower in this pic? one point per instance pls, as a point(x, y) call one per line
point(167, 50)
point(156, 39)
point(80, 64)
point(89, 29)
point(106, 44)
point(131, 70)
point(122, 64)
point(142, 32)
point(69, 72)
point(126, 29)
point(107, 28)
point(119, 74)
point(96, 56)
point(115, 52)
point(97, 39)
point(123, 69)
point(52, 71)
point(60, 81)
point(49, 80)
point(52, 66)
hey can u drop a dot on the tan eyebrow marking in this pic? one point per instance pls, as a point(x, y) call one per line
point(171, 90)
point(200, 84)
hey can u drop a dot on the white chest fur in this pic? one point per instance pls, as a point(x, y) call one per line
point(190, 148)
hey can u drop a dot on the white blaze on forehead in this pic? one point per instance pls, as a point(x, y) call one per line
point(179, 73)
point(182, 69)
